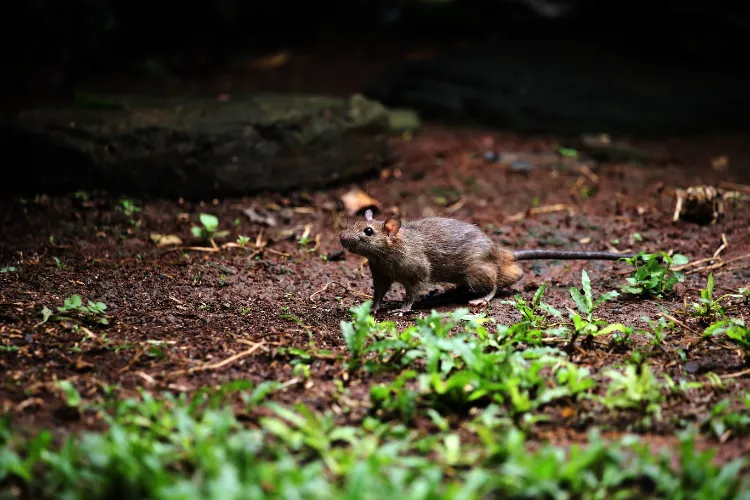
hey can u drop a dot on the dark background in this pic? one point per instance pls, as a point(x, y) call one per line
point(85, 36)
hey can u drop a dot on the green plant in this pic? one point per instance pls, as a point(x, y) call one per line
point(735, 330)
point(130, 209)
point(395, 397)
point(707, 306)
point(92, 311)
point(357, 331)
point(658, 330)
point(209, 229)
point(723, 421)
point(60, 263)
point(243, 241)
point(584, 322)
point(530, 312)
point(652, 277)
point(634, 388)
point(8, 269)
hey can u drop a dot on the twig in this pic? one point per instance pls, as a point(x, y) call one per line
point(718, 265)
point(724, 244)
point(133, 360)
point(559, 207)
point(148, 378)
point(678, 322)
point(735, 375)
point(342, 286)
point(715, 256)
point(220, 364)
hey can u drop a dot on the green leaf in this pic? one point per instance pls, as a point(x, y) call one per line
point(550, 310)
point(579, 300)
point(614, 327)
point(210, 222)
point(679, 260)
point(605, 297)
point(586, 284)
point(72, 397)
point(538, 295)
point(46, 313)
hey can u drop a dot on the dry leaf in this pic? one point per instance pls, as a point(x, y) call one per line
point(165, 240)
point(272, 61)
point(357, 201)
point(720, 163)
point(568, 412)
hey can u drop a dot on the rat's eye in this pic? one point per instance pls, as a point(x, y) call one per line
point(369, 231)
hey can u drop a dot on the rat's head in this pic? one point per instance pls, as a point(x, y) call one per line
point(370, 238)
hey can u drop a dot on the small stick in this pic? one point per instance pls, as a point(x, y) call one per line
point(559, 207)
point(718, 265)
point(220, 364)
point(342, 286)
point(678, 322)
point(724, 244)
point(735, 375)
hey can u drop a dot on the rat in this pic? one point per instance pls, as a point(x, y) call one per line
point(441, 250)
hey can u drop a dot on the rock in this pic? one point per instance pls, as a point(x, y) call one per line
point(195, 148)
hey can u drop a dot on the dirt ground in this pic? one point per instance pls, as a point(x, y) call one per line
point(172, 311)
point(182, 318)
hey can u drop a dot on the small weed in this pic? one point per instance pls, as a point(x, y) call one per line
point(707, 306)
point(584, 322)
point(130, 209)
point(209, 229)
point(658, 330)
point(733, 329)
point(634, 388)
point(8, 269)
point(530, 312)
point(652, 277)
point(60, 263)
point(243, 241)
point(723, 421)
point(92, 312)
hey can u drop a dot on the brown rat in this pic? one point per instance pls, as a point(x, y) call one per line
point(441, 250)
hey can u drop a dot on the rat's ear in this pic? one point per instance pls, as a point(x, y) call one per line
point(391, 226)
point(368, 214)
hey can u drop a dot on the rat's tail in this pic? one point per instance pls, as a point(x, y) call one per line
point(567, 255)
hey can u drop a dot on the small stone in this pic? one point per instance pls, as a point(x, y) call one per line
point(692, 367)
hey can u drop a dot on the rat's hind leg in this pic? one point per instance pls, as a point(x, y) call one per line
point(484, 300)
point(482, 277)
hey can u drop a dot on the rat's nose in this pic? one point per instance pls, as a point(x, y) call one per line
point(342, 236)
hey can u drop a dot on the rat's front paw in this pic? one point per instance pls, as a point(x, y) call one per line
point(401, 311)
point(479, 302)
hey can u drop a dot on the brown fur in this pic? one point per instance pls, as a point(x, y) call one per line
point(430, 250)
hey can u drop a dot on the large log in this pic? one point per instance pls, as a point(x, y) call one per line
point(194, 148)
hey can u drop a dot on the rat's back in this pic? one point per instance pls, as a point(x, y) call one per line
point(450, 245)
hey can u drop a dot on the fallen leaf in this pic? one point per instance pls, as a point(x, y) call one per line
point(165, 240)
point(259, 217)
point(568, 412)
point(272, 61)
point(357, 201)
point(720, 163)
